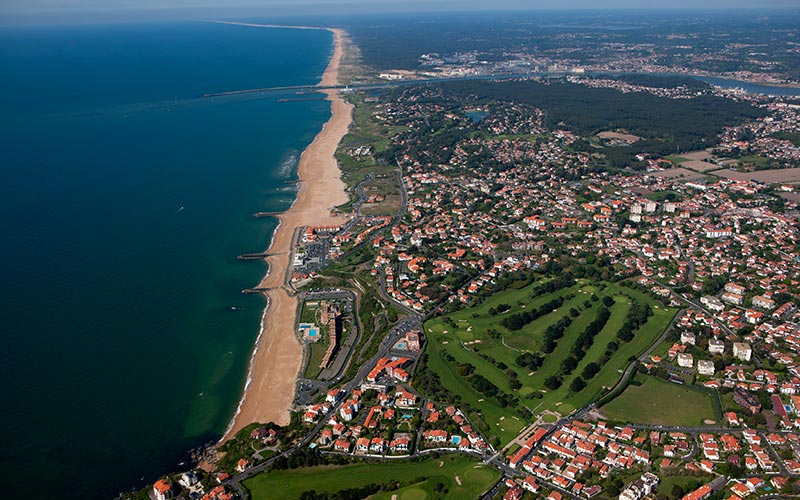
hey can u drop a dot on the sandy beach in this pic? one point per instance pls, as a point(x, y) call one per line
point(278, 354)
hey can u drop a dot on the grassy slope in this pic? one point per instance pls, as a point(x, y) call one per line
point(505, 422)
point(659, 402)
point(289, 484)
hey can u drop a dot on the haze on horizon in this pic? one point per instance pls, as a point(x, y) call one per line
point(71, 11)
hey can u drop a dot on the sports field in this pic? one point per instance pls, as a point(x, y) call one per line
point(472, 341)
point(658, 402)
point(449, 470)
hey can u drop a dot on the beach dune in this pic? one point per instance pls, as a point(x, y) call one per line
point(278, 354)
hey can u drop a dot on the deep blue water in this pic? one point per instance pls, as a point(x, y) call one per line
point(125, 198)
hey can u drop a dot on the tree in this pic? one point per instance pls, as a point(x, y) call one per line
point(577, 385)
point(552, 382)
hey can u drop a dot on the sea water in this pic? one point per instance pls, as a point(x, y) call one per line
point(125, 198)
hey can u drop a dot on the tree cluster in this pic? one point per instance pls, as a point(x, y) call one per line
point(520, 319)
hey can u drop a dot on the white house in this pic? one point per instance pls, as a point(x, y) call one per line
point(685, 360)
point(705, 367)
point(716, 346)
point(742, 351)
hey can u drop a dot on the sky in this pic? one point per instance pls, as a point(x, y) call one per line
point(12, 11)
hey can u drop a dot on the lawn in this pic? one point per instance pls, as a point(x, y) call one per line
point(290, 484)
point(676, 159)
point(316, 353)
point(469, 341)
point(658, 402)
point(688, 483)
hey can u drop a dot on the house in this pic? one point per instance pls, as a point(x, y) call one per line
point(163, 490)
point(242, 465)
point(265, 436)
point(342, 445)
point(435, 435)
point(640, 488)
point(746, 400)
point(377, 445)
point(732, 298)
point(188, 479)
point(712, 303)
point(753, 484)
point(531, 484)
point(404, 398)
point(705, 367)
point(362, 445)
point(763, 302)
point(218, 493)
point(687, 338)
point(734, 288)
point(325, 437)
point(334, 395)
point(700, 493)
point(753, 317)
point(740, 489)
point(399, 445)
point(514, 493)
point(742, 351)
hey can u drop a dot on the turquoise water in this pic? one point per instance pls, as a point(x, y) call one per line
point(126, 197)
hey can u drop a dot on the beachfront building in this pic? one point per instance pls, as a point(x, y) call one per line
point(310, 332)
point(162, 490)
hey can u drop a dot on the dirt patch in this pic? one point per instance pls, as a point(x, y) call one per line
point(782, 175)
point(678, 173)
point(697, 155)
point(619, 136)
point(700, 165)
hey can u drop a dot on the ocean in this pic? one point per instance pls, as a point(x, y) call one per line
point(126, 197)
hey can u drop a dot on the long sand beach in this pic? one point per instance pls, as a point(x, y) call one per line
point(277, 356)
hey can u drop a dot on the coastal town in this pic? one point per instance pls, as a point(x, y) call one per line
point(509, 306)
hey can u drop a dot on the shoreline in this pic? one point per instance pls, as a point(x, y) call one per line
point(277, 354)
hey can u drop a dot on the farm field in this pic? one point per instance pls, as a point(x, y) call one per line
point(290, 484)
point(476, 337)
point(658, 402)
point(778, 175)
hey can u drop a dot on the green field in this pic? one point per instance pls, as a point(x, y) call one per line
point(470, 339)
point(290, 484)
point(315, 355)
point(658, 402)
point(688, 483)
point(364, 131)
point(676, 159)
